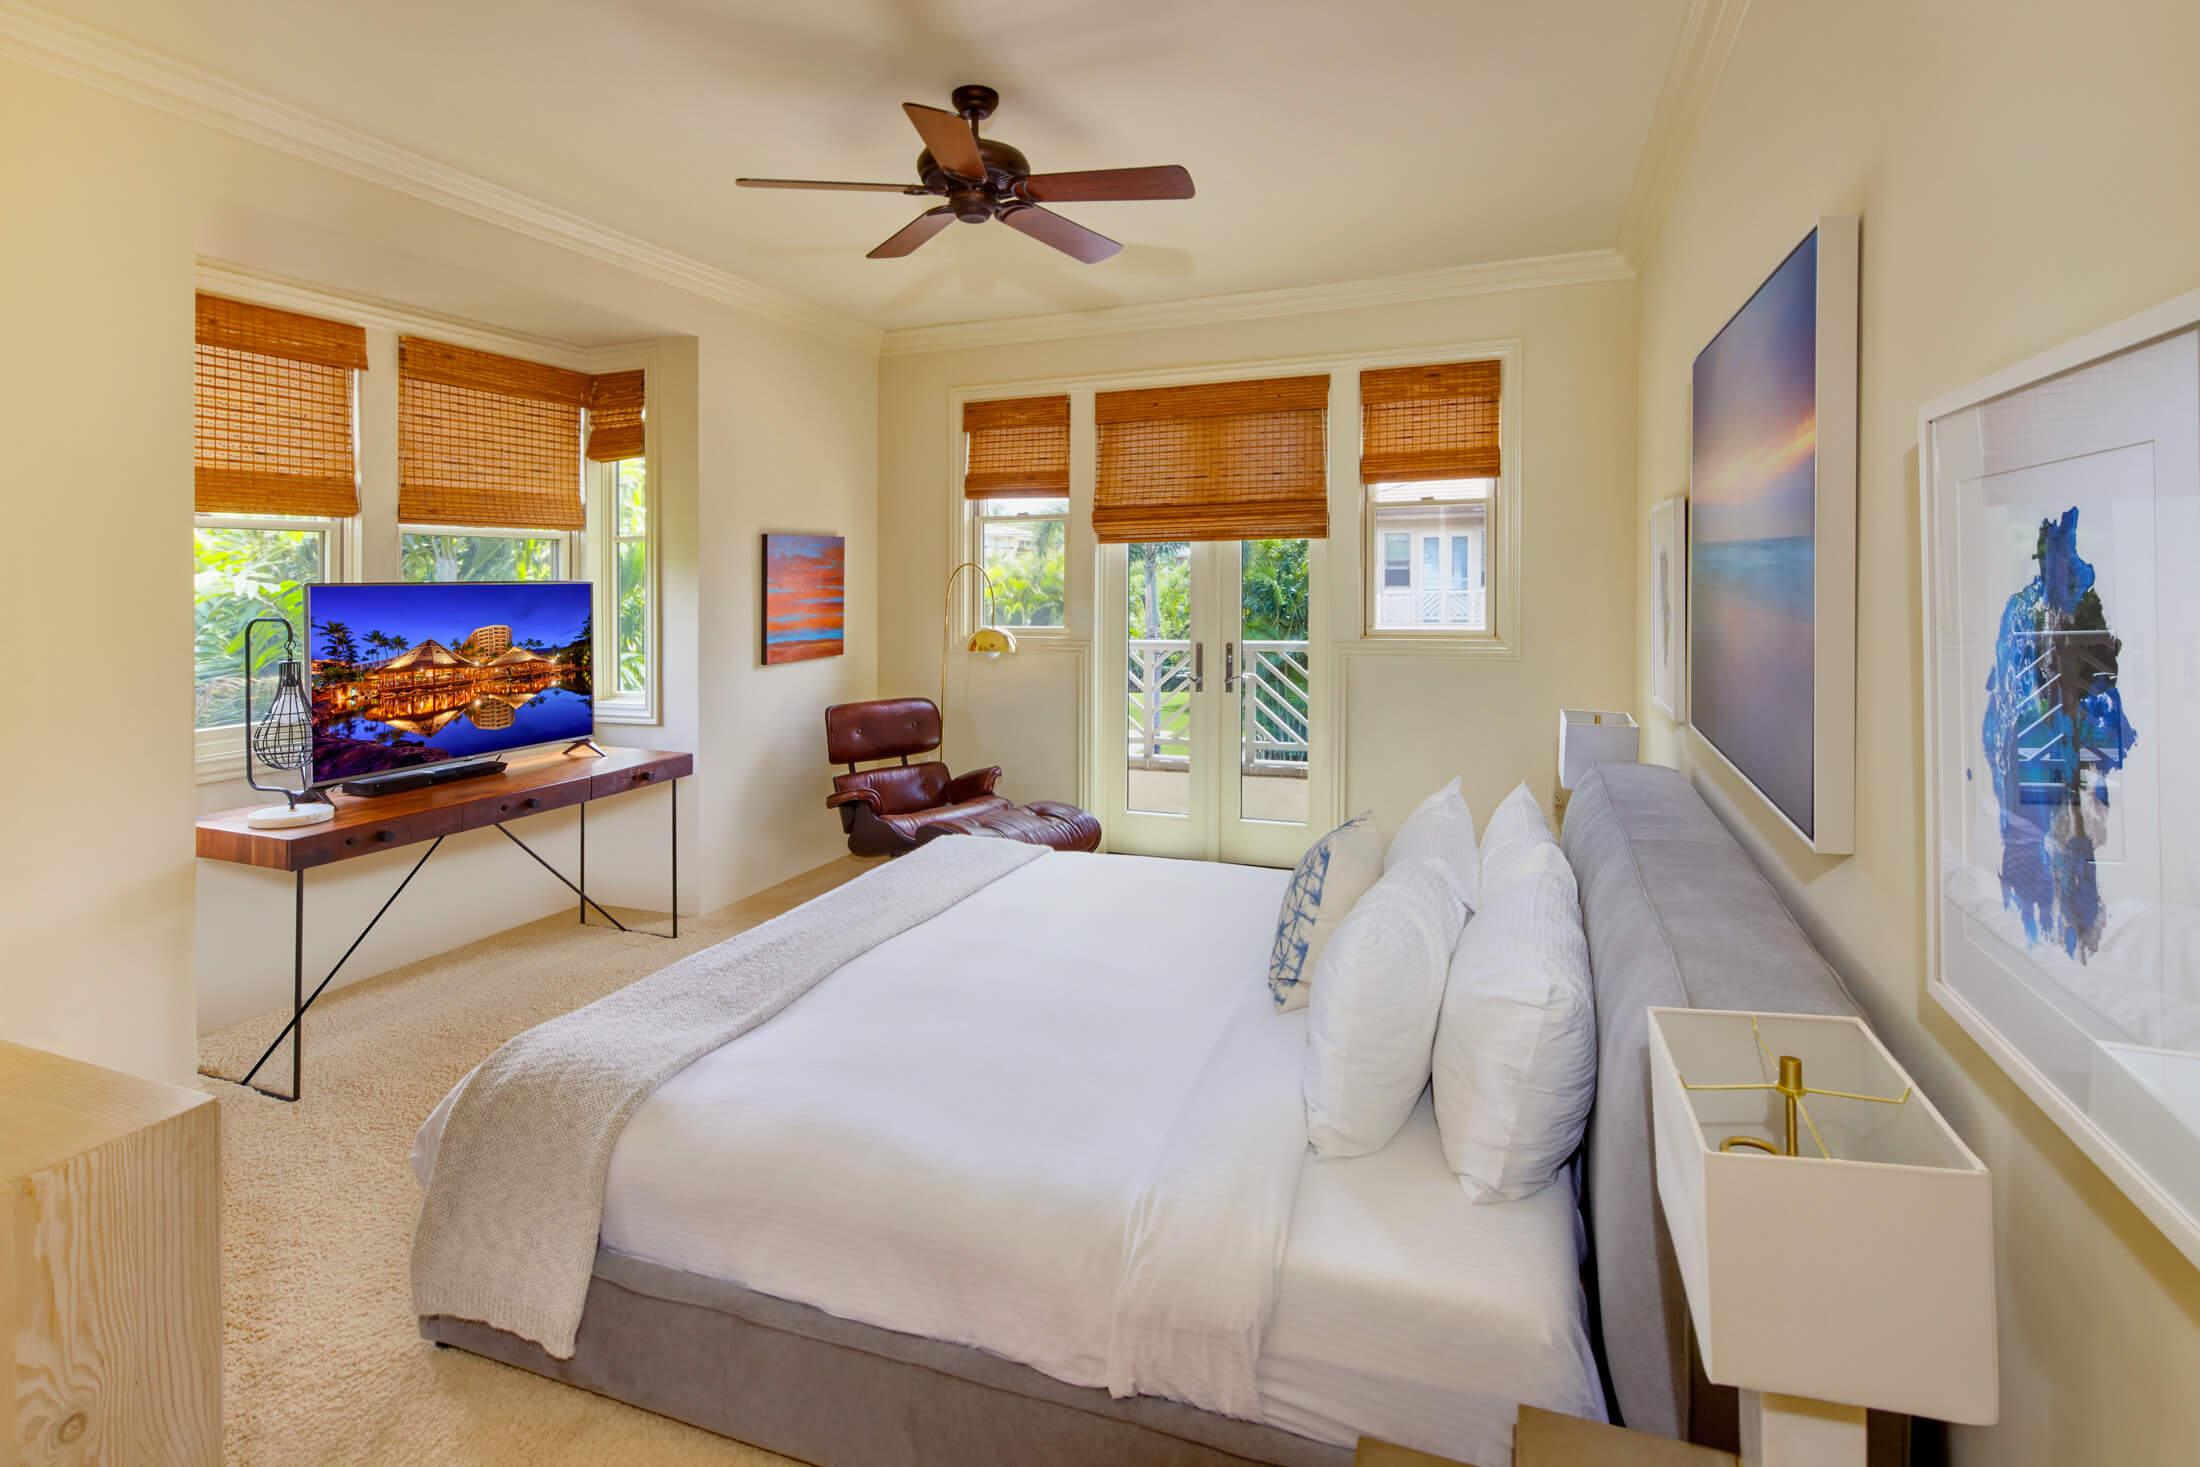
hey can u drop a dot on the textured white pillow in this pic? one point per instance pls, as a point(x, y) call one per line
point(1373, 1017)
point(1335, 872)
point(1441, 828)
point(1515, 1063)
point(1517, 842)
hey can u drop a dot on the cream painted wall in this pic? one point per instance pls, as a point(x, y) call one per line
point(1410, 721)
point(756, 423)
point(2026, 172)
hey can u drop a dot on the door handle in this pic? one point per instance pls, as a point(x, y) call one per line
point(1199, 667)
point(1229, 667)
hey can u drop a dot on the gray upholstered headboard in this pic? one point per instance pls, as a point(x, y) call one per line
point(1677, 916)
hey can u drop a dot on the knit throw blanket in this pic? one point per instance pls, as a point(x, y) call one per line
point(507, 1231)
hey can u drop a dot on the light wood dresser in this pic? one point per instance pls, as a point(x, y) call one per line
point(110, 1267)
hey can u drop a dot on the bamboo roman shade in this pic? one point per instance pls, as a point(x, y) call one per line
point(487, 440)
point(615, 416)
point(1219, 461)
point(272, 411)
point(1420, 423)
point(1017, 446)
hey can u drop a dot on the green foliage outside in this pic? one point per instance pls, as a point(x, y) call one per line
point(633, 571)
point(479, 558)
point(1024, 562)
point(236, 576)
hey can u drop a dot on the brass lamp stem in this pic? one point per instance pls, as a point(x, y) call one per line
point(1791, 1090)
point(947, 630)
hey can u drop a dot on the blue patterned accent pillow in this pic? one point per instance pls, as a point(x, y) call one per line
point(1335, 873)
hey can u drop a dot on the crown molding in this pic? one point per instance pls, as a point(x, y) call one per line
point(1699, 59)
point(1582, 268)
point(94, 58)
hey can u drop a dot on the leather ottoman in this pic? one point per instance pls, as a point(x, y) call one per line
point(1040, 823)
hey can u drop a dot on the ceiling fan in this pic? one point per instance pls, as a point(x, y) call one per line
point(983, 179)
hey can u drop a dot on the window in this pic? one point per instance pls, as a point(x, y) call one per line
point(1022, 544)
point(430, 553)
point(503, 469)
point(274, 481)
point(1441, 586)
point(623, 582)
point(1016, 497)
point(242, 568)
point(1429, 457)
point(1397, 560)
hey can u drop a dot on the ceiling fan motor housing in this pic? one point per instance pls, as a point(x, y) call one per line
point(1005, 169)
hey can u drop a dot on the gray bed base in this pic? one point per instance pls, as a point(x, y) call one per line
point(812, 1386)
point(1676, 914)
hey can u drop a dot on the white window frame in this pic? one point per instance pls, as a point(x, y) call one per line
point(1418, 539)
point(1497, 565)
point(975, 519)
point(218, 752)
point(602, 558)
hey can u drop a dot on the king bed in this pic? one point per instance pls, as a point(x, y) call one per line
point(1022, 1176)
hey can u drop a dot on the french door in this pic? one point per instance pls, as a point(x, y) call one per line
point(1210, 740)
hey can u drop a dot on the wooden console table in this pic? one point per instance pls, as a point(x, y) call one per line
point(363, 826)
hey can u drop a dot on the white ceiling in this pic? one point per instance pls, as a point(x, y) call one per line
point(1330, 142)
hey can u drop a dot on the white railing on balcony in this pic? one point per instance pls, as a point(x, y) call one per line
point(1273, 739)
point(1160, 703)
point(1407, 608)
point(1274, 708)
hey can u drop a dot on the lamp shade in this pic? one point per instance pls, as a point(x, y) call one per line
point(1589, 736)
point(1863, 1276)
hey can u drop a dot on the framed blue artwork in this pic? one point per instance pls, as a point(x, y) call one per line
point(1771, 595)
point(2061, 504)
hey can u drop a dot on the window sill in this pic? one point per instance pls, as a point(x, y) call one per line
point(1471, 645)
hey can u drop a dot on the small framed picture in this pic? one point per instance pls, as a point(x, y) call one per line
point(805, 584)
point(1669, 608)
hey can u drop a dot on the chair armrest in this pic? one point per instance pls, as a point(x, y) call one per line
point(972, 785)
point(853, 797)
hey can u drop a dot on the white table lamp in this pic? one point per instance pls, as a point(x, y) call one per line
point(1852, 1268)
point(1588, 736)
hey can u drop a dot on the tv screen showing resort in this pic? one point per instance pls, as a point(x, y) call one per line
point(405, 675)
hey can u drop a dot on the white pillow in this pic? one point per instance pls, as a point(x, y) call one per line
point(1515, 1063)
point(1441, 828)
point(1335, 872)
point(1373, 1017)
point(1517, 842)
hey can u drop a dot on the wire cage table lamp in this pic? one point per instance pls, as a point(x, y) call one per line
point(282, 737)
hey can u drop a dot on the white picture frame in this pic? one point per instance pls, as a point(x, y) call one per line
point(1669, 607)
point(2107, 425)
point(1753, 546)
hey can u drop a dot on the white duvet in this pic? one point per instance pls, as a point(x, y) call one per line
point(975, 1131)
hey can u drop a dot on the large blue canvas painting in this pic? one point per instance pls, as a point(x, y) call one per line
point(1752, 549)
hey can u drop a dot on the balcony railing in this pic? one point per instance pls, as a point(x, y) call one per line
point(1406, 608)
point(1273, 737)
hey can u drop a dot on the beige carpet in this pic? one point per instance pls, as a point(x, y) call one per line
point(322, 1361)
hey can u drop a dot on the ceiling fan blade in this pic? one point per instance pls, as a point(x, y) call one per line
point(1169, 181)
point(869, 188)
point(1066, 235)
point(914, 233)
point(954, 146)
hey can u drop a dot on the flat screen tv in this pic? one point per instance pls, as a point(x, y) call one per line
point(412, 674)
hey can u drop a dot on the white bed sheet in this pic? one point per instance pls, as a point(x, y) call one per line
point(897, 1108)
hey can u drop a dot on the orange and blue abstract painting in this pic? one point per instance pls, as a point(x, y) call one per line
point(1752, 521)
point(805, 584)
